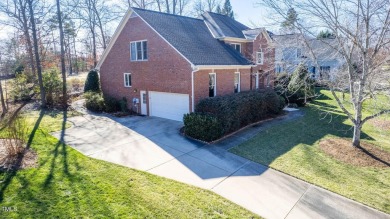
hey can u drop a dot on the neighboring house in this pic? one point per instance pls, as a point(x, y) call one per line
point(291, 51)
point(165, 64)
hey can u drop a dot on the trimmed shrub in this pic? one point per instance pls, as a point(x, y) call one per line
point(123, 104)
point(94, 101)
point(111, 104)
point(235, 111)
point(92, 83)
point(202, 126)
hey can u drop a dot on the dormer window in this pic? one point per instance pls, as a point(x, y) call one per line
point(139, 51)
point(236, 46)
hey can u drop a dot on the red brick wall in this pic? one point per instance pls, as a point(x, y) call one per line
point(225, 82)
point(268, 67)
point(165, 71)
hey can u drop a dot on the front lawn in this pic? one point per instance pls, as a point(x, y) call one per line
point(67, 184)
point(293, 148)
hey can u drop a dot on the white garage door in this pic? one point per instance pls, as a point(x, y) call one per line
point(168, 105)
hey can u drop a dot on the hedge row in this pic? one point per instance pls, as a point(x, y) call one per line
point(226, 114)
point(96, 102)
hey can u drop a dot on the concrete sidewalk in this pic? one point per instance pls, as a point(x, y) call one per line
point(155, 145)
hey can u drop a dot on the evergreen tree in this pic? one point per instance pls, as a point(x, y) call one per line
point(92, 83)
point(325, 35)
point(301, 86)
point(227, 9)
point(289, 24)
point(218, 10)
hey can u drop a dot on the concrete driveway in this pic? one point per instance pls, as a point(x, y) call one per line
point(155, 145)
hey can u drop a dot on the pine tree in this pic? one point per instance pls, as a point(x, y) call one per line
point(218, 10)
point(227, 9)
point(290, 22)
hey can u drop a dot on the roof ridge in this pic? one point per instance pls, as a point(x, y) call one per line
point(164, 13)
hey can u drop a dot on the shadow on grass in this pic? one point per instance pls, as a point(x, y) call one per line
point(60, 148)
point(320, 120)
point(9, 175)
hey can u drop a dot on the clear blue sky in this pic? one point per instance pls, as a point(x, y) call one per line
point(248, 13)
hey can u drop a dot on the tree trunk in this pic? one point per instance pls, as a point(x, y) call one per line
point(26, 34)
point(75, 54)
point(94, 48)
point(63, 70)
point(36, 53)
point(356, 136)
point(3, 106)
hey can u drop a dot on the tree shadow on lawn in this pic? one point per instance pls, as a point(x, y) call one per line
point(9, 175)
point(60, 145)
point(318, 122)
point(42, 189)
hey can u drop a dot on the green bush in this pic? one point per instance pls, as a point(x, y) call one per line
point(235, 111)
point(111, 104)
point(92, 83)
point(123, 104)
point(202, 126)
point(20, 88)
point(53, 86)
point(94, 101)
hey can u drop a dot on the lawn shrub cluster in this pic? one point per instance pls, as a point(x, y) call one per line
point(111, 104)
point(229, 113)
point(94, 101)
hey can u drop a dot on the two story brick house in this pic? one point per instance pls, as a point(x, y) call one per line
point(164, 64)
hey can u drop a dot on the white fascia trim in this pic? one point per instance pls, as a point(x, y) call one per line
point(193, 90)
point(233, 39)
point(204, 67)
point(164, 39)
point(118, 30)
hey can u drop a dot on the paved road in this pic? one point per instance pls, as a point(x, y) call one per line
point(155, 145)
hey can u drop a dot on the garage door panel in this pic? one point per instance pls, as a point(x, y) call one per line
point(168, 105)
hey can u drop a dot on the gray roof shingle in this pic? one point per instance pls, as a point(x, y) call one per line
point(224, 26)
point(192, 38)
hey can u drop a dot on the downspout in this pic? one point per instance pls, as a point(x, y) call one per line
point(194, 69)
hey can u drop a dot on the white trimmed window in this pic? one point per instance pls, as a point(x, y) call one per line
point(139, 51)
point(236, 46)
point(260, 57)
point(212, 84)
point(127, 79)
point(237, 79)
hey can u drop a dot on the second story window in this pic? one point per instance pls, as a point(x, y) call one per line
point(260, 58)
point(299, 53)
point(236, 46)
point(127, 79)
point(139, 51)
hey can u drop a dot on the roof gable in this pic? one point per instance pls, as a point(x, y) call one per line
point(192, 38)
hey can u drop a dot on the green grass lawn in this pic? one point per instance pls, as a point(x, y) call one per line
point(293, 148)
point(67, 184)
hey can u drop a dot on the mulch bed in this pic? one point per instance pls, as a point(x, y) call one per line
point(380, 123)
point(28, 158)
point(366, 156)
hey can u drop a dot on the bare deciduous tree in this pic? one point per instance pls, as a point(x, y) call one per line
point(362, 32)
point(36, 53)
